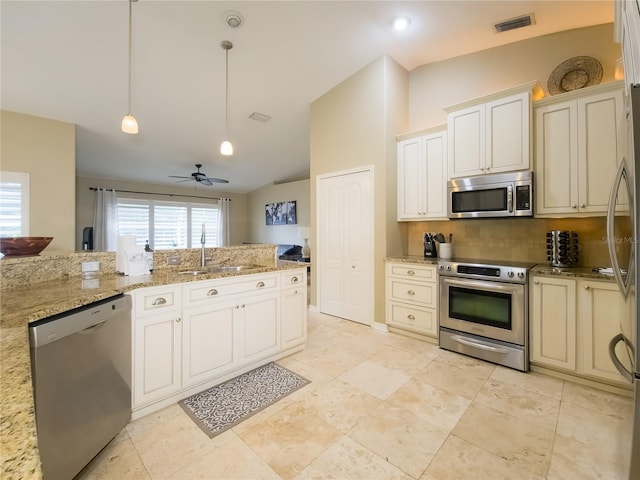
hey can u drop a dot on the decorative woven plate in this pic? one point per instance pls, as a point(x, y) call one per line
point(574, 74)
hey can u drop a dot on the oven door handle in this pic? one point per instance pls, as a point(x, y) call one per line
point(484, 285)
point(478, 344)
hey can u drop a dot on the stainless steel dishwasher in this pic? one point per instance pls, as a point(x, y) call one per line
point(81, 368)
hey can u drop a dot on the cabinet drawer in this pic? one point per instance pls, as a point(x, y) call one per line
point(414, 319)
point(295, 278)
point(422, 293)
point(197, 292)
point(425, 274)
point(148, 300)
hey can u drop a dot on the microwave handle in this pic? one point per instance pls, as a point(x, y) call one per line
point(510, 198)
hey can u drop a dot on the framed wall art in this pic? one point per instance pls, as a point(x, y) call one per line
point(281, 213)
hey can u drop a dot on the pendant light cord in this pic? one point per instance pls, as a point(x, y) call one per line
point(129, 75)
point(227, 91)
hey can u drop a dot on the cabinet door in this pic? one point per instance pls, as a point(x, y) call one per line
point(210, 346)
point(508, 132)
point(157, 356)
point(603, 313)
point(556, 158)
point(600, 118)
point(435, 179)
point(552, 322)
point(411, 170)
point(294, 317)
point(259, 321)
point(467, 142)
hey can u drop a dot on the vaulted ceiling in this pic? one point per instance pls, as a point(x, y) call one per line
point(67, 60)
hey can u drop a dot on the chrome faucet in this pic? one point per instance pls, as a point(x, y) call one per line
point(203, 260)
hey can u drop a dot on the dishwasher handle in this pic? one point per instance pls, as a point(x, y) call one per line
point(80, 320)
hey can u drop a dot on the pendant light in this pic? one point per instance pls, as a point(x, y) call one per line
point(226, 148)
point(129, 122)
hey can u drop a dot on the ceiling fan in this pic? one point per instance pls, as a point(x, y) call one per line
point(200, 177)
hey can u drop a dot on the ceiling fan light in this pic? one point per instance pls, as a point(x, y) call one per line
point(226, 148)
point(129, 124)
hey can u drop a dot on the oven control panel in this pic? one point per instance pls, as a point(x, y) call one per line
point(508, 272)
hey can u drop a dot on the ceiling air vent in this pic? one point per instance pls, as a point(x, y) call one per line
point(260, 117)
point(513, 23)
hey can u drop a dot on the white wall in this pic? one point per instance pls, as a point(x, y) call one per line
point(259, 232)
point(45, 149)
point(239, 220)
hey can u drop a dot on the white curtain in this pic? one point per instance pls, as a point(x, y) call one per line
point(105, 220)
point(223, 222)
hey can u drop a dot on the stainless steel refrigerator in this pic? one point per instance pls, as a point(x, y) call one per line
point(623, 229)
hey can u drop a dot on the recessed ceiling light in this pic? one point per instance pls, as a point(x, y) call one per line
point(400, 23)
point(233, 19)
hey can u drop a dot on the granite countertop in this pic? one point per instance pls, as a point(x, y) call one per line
point(570, 272)
point(413, 259)
point(22, 305)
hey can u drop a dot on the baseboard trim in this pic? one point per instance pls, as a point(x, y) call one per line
point(314, 308)
point(381, 327)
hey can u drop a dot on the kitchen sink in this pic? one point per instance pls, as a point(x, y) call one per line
point(194, 272)
point(232, 268)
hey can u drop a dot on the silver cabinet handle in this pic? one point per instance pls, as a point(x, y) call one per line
point(582, 205)
point(178, 320)
point(159, 301)
point(294, 279)
point(411, 272)
point(212, 292)
point(260, 285)
point(574, 206)
point(411, 292)
point(411, 317)
point(587, 287)
point(536, 282)
point(295, 292)
point(242, 306)
point(237, 307)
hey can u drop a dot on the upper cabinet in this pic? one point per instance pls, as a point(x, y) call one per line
point(627, 30)
point(491, 134)
point(422, 175)
point(578, 144)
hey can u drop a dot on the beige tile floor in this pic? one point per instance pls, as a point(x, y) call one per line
point(385, 406)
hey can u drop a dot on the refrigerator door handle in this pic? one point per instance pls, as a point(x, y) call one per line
point(614, 358)
point(621, 174)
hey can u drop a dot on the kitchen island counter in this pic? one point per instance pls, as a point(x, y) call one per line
point(22, 305)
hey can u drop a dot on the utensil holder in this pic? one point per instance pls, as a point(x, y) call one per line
point(562, 248)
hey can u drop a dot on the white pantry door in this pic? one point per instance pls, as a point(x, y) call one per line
point(345, 245)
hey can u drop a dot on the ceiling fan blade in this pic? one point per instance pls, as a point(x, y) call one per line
point(178, 176)
point(205, 181)
point(217, 180)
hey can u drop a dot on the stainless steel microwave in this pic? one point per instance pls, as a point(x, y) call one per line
point(493, 195)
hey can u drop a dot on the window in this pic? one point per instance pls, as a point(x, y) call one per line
point(14, 204)
point(167, 225)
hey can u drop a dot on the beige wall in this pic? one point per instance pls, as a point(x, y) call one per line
point(259, 232)
point(239, 221)
point(354, 125)
point(437, 85)
point(45, 149)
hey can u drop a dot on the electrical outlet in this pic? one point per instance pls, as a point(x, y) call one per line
point(90, 267)
point(173, 260)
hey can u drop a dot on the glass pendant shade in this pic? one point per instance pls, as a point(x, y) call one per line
point(226, 148)
point(129, 124)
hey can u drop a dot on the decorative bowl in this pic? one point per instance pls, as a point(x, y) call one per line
point(20, 246)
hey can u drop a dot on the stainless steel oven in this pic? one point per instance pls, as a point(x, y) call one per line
point(484, 311)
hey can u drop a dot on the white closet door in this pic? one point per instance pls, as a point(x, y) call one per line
point(345, 245)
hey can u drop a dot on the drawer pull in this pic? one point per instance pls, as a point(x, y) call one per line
point(212, 292)
point(411, 317)
point(411, 272)
point(260, 285)
point(411, 292)
point(159, 301)
point(178, 320)
point(294, 279)
point(295, 292)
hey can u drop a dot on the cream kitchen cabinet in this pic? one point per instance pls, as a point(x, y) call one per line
point(579, 142)
point(571, 324)
point(157, 338)
point(422, 175)
point(191, 336)
point(294, 309)
point(627, 33)
point(412, 298)
point(491, 134)
point(552, 322)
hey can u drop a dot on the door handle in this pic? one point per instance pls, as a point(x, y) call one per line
point(614, 358)
point(475, 344)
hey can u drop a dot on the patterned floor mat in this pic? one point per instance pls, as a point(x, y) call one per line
point(221, 407)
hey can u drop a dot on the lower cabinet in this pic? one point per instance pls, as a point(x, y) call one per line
point(192, 336)
point(571, 323)
point(412, 298)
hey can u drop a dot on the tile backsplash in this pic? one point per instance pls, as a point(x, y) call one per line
point(515, 239)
